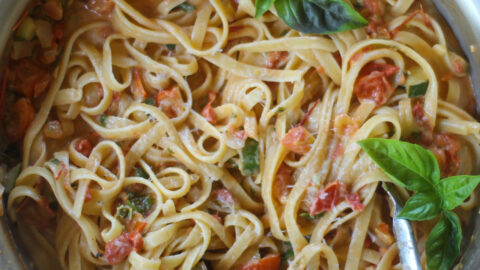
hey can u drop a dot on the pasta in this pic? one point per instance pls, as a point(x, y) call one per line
point(194, 136)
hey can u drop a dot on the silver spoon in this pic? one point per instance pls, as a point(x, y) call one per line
point(402, 229)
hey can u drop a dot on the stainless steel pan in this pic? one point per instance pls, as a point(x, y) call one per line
point(463, 17)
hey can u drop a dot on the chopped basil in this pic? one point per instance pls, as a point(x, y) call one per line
point(150, 101)
point(55, 161)
point(280, 109)
point(418, 90)
point(308, 216)
point(249, 156)
point(185, 7)
point(170, 47)
point(287, 254)
point(124, 211)
point(232, 163)
point(103, 120)
point(141, 173)
point(170, 151)
point(11, 177)
point(140, 203)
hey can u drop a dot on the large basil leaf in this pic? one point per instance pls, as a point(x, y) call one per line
point(249, 156)
point(421, 206)
point(409, 165)
point(261, 6)
point(443, 243)
point(454, 190)
point(319, 16)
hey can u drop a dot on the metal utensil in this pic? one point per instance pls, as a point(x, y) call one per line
point(402, 229)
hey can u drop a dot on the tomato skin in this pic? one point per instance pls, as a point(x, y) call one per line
point(269, 262)
point(208, 111)
point(118, 249)
point(372, 84)
point(283, 181)
point(84, 146)
point(326, 199)
point(445, 147)
point(170, 101)
point(224, 196)
point(275, 58)
point(355, 201)
point(298, 140)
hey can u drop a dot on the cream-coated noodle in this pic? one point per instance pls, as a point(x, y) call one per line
point(199, 137)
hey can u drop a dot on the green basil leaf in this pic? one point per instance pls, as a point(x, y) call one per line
point(418, 90)
point(287, 254)
point(409, 165)
point(261, 6)
point(140, 172)
point(124, 211)
point(140, 203)
point(250, 160)
point(103, 120)
point(454, 190)
point(11, 177)
point(443, 243)
point(319, 16)
point(170, 47)
point(421, 206)
point(185, 7)
point(150, 101)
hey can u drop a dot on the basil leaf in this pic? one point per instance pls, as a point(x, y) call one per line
point(454, 190)
point(124, 211)
point(170, 47)
point(103, 120)
point(421, 206)
point(319, 16)
point(409, 165)
point(443, 243)
point(150, 101)
point(11, 177)
point(250, 160)
point(261, 6)
point(285, 256)
point(418, 90)
point(140, 203)
point(141, 173)
point(185, 7)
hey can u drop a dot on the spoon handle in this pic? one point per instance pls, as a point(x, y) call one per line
point(402, 229)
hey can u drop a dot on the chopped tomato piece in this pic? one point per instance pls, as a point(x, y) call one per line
point(355, 201)
point(274, 59)
point(208, 111)
point(84, 146)
point(170, 101)
point(118, 249)
point(269, 262)
point(445, 147)
point(338, 150)
point(137, 89)
point(422, 121)
point(383, 227)
point(63, 170)
point(101, 7)
point(373, 85)
point(224, 196)
point(298, 140)
point(283, 182)
point(374, 7)
point(327, 198)
point(218, 218)
point(458, 65)
point(25, 112)
point(32, 78)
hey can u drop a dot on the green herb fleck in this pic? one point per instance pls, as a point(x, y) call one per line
point(170, 47)
point(150, 101)
point(287, 254)
point(124, 211)
point(185, 7)
point(11, 177)
point(55, 161)
point(140, 203)
point(418, 90)
point(140, 172)
point(308, 216)
point(280, 109)
point(103, 120)
point(249, 156)
point(170, 151)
